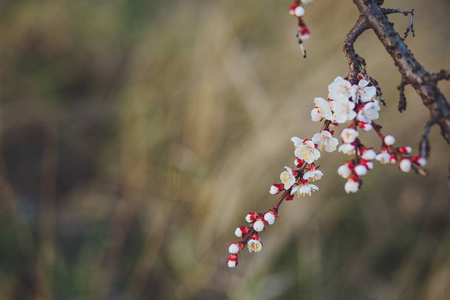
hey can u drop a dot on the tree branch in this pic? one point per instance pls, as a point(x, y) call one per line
point(412, 72)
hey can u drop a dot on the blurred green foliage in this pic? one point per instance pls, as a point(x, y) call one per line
point(135, 135)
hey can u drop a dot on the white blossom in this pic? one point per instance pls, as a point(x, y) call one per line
point(369, 154)
point(307, 152)
point(405, 165)
point(347, 148)
point(324, 140)
point(363, 92)
point(349, 135)
point(233, 249)
point(339, 89)
point(369, 112)
point(360, 170)
point(254, 245)
point(258, 226)
point(323, 108)
point(383, 157)
point(351, 186)
point(313, 175)
point(307, 189)
point(343, 111)
point(389, 140)
point(269, 217)
point(287, 178)
point(344, 171)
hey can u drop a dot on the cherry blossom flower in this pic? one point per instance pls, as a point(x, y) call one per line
point(369, 112)
point(363, 92)
point(405, 149)
point(343, 111)
point(324, 140)
point(287, 178)
point(365, 126)
point(251, 217)
point(340, 89)
point(352, 185)
point(322, 109)
point(349, 135)
point(307, 152)
point(297, 142)
point(235, 247)
point(254, 245)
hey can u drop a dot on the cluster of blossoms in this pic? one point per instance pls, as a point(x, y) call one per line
point(357, 104)
point(354, 105)
point(297, 180)
point(303, 32)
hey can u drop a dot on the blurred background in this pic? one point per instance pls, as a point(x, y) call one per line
point(136, 135)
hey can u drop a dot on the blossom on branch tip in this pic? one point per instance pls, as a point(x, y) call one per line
point(313, 175)
point(324, 140)
point(368, 154)
point(232, 261)
point(383, 157)
point(287, 178)
point(349, 135)
point(361, 170)
point(299, 11)
point(307, 152)
point(352, 185)
point(369, 112)
point(405, 149)
point(365, 126)
point(258, 226)
point(421, 161)
point(251, 217)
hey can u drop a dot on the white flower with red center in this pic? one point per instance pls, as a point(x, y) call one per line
point(241, 231)
point(324, 140)
point(369, 112)
point(365, 126)
point(364, 92)
point(323, 110)
point(343, 111)
point(340, 89)
point(349, 135)
point(352, 185)
point(307, 152)
point(347, 149)
point(361, 170)
point(287, 178)
point(254, 245)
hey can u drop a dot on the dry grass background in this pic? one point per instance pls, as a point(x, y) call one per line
point(136, 135)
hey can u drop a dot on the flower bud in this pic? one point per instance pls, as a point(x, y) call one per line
point(251, 217)
point(369, 154)
point(232, 261)
point(269, 217)
point(389, 140)
point(351, 186)
point(405, 149)
point(299, 11)
point(258, 225)
point(241, 231)
point(360, 170)
point(233, 249)
point(405, 165)
point(344, 171)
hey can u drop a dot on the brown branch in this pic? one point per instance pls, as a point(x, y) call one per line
point(355, 62)
point(413, 73)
